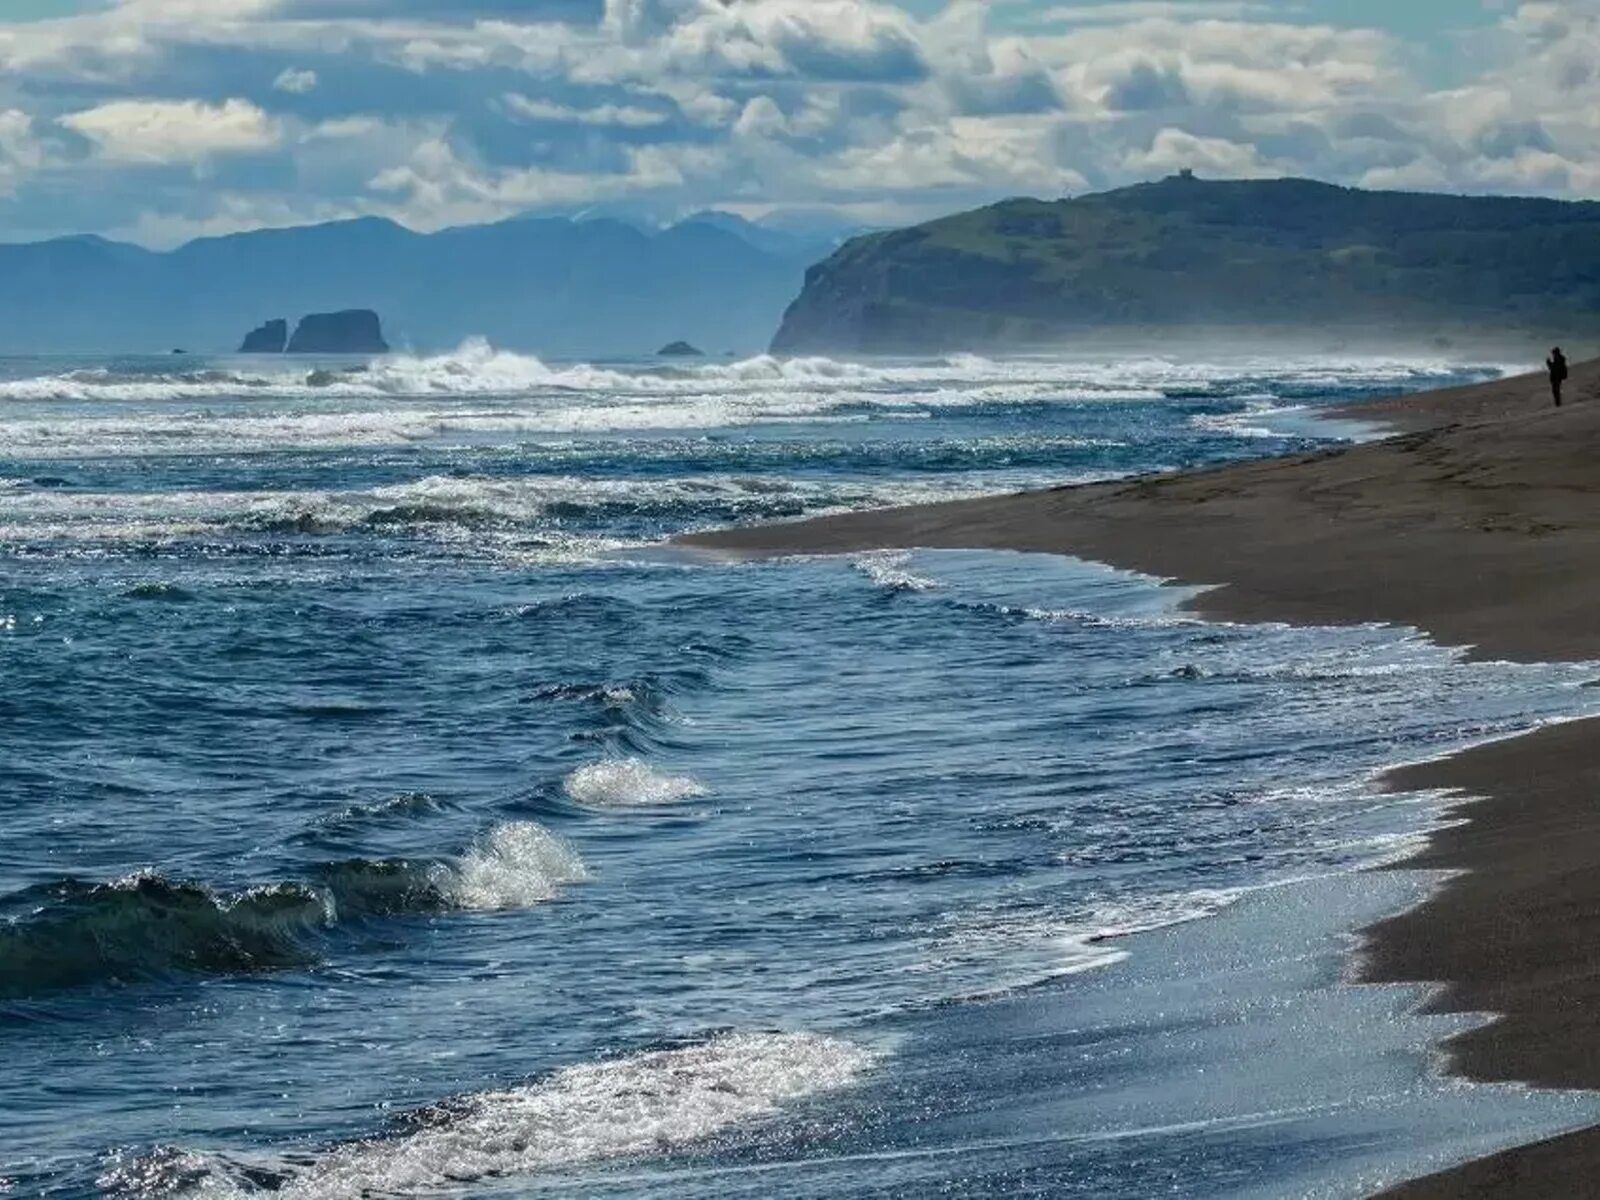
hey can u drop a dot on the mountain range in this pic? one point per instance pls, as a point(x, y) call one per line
point(1284, 258)
point(559, 286)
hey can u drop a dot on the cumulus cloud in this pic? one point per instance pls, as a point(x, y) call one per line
point(174, 131)
point(440, 181)
point(1173, 150)
point(440, 112)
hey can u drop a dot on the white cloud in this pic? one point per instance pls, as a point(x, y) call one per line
point(174, 131)
point(340, 128)
point(438, 185)
point(855, 104)
point(1174, 150)
point(296, 81)
point(21, 152)
point(624, 116)
point(1167, 10)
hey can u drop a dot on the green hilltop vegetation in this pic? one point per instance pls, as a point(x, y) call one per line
point(1186, 254)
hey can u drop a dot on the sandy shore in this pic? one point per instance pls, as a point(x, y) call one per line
point(1479, 523)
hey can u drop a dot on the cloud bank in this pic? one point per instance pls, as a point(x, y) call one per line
point(162, 119)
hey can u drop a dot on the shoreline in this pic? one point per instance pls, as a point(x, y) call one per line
point(1474, 522)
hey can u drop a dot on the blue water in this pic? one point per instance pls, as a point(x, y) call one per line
point(388, 813)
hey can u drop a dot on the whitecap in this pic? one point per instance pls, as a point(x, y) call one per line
point(628, 783)
point(515, 865)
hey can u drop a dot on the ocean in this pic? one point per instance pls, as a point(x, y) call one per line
point(388, 811)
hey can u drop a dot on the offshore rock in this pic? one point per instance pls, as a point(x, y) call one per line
point(269, 337)
point(680, 350)
point(353, 331)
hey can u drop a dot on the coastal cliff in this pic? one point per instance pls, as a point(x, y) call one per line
point(1188, 254)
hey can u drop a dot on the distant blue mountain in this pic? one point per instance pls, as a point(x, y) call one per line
point(557, 286)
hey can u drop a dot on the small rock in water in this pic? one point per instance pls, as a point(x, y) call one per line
point(269, 337)
point(680, 350)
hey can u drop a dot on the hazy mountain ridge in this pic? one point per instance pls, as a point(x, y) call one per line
point(1185, 253)
point(550, 285)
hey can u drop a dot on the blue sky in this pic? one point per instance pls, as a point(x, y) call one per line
point(160, 120)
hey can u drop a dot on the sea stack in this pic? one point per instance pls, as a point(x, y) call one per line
point(680, 350)
point(353, 331)
point(269, 337)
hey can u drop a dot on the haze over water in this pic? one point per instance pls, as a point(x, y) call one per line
point(388, 812)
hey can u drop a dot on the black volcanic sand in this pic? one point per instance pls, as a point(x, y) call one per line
point(1479, 523)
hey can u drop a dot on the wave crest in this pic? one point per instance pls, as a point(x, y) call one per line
point(517, 865)
point(628, 783)
point(147, 926)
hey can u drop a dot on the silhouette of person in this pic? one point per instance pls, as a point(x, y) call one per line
point(1556, 364)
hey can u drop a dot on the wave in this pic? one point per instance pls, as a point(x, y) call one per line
point(628, 783)
point(145, 926)
point(405, 806)
point(478, 369)
point(887, 570)
point(644, 1104)
point(519, 864)
point(158, 589)
point(1031, 948)
point(473, 504)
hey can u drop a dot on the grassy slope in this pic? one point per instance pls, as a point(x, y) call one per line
point(1184, 252)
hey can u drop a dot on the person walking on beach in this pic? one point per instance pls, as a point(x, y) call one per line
point(1556, 364)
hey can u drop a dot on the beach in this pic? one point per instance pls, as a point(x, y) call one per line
point(391, 806)
point(1474, 523)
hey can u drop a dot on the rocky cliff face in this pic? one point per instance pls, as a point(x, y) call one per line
point(353, 331)
point(1252, 256)
point(270, 337)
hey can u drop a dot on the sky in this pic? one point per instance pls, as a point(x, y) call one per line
point(157, 121)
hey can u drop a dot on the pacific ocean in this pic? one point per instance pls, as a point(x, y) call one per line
point(388, 811)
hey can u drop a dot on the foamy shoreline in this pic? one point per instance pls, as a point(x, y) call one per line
point(1476, 525)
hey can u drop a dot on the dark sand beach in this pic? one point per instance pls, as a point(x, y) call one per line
point(1479, 522)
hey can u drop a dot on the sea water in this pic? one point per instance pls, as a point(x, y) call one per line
point(388, 812)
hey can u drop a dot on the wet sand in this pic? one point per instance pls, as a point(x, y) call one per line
point(1479, 523)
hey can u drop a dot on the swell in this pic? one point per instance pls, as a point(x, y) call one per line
point(146, 926)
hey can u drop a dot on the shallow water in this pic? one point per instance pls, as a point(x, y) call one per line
point(386, 810)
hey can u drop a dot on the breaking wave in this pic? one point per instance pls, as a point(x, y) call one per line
point(438, 504)
point(144, 926)
point(644, 1104)
point(476, 368)
point(628, 783)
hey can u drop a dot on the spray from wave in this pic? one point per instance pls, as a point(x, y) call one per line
point(145, 926)
point(644, 1104)
point(628, 783)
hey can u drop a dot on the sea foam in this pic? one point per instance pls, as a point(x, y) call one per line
point(643, 1104)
